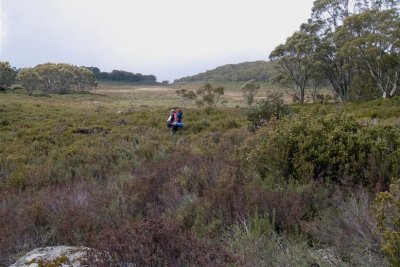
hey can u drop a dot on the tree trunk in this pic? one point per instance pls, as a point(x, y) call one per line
point(302, 95)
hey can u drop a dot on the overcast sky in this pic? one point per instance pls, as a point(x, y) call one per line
point(167, 38)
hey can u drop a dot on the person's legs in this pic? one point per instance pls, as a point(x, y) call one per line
point(174, 129)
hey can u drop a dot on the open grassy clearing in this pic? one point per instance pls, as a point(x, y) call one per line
point(164, 96)
point(42, 130)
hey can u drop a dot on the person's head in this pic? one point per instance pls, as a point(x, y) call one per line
point(172, 110)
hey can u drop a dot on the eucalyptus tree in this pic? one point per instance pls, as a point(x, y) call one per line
point(328, 15)
point(316, 79)
point(7, 74)
point(30, 80)
point(374, 39)
point(57, 78)
point(294, 61)
point(338, 67)
point(84, 79)
point(62, 78)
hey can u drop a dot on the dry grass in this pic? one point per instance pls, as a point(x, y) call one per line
point(159, 96)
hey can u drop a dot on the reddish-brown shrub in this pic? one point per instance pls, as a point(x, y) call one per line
point(160, 242)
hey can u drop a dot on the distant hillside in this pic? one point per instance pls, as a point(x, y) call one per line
point(258, 70)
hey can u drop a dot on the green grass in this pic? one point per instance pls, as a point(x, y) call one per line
point(40, 135)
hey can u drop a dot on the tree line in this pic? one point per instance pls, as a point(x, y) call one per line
point(354, 45)
point(49, 78)
point(62, 78)
point(121, 75)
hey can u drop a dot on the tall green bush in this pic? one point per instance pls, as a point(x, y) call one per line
point(387, 207)
point(271, 107)
point(335, 148)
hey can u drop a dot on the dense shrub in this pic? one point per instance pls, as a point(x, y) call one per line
point(89, 175)
point(256, 243)
point(265, 110)
point(387, 207)
point(55, 215)
point(161, 242)
point(288, 208)
point(79, 212)
point(100, 217)
point(334, 148)
point(349, 216)
point(234, 197)
point(186, 94)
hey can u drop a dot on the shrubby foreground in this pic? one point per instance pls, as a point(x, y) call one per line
point(295, 191)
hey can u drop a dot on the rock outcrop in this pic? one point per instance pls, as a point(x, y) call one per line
point(61, 256)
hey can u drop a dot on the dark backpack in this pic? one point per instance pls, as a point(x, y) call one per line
point(179, 115)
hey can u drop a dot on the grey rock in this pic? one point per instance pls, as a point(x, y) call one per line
point(62, 256)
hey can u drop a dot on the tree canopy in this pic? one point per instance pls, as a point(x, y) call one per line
point(373, 40)
point(295, 62)
point(121, 75)
point(56, 78)
point(343, 41)
point(7, 74)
